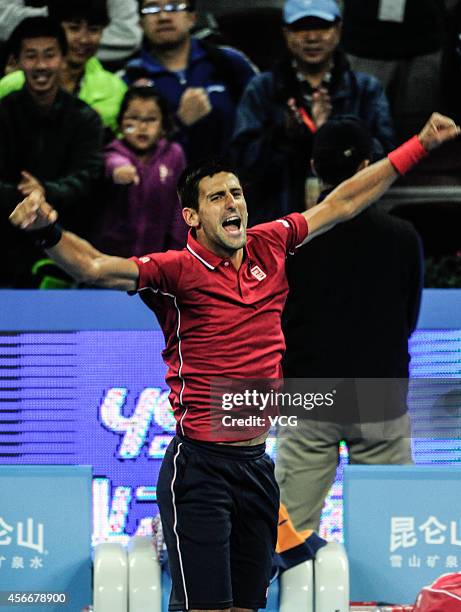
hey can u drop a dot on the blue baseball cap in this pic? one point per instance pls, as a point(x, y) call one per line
point(328, 10)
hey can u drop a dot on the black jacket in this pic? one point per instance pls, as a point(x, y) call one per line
point(61, 148)
point(275, 161)
point(354, 300)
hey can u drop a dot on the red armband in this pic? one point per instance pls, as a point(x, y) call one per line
point(408, 155)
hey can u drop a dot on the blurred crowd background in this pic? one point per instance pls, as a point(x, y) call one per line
point(105, 118)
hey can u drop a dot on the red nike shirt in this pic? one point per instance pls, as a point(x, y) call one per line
point(217, 321)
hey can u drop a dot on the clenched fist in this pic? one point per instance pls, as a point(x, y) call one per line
point(29, 183)
point(125, 175)
point(194, 105)
point(33, 213)
point(438, 130)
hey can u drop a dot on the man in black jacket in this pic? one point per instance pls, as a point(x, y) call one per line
point(49, 140)
point(353, 304)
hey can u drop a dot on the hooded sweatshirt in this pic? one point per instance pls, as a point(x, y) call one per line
point(144, 218)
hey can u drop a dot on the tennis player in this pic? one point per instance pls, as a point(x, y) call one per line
point(219, 303)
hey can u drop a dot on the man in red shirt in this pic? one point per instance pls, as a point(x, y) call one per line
point(219, 303)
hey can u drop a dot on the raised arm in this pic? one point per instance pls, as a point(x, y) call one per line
point(73, 254)
point(368, 185)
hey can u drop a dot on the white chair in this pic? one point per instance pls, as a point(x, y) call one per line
point(331, 579)
point(297, 588)
point(144, 576)
point(110, 578)
point(321, 585)
point(134, 582)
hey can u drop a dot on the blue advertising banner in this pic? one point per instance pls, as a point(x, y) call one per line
point(82, 383)
point(90, 398)
point(45, 535)
point(402, 528)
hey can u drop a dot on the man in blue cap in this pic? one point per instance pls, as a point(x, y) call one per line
point(281, 110)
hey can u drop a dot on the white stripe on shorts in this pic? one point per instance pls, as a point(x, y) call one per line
point(175, 524)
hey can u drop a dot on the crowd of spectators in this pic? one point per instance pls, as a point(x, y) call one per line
point(103, 102)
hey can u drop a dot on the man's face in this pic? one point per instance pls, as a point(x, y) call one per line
point(312, 41)
point(221, 219)
point(41, 61)
point(82, 39)
point(167, 29)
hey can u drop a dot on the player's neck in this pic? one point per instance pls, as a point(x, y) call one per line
point(234, 255)
point(237, 259)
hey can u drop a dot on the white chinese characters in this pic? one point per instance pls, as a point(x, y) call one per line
point(25, 534)
point(30, 537)
point(434, 532)
point(406, 534)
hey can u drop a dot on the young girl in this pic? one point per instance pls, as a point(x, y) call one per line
point(142, 210)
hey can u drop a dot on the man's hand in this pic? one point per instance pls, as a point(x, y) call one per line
point(33, 213)
point(125, 175)
point(321, 107)
point(29, 183)
point(194, 105)
point(438, 129)
point(295, 128)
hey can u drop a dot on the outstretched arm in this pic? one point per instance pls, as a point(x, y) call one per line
point(368, 185)
point(75, 255)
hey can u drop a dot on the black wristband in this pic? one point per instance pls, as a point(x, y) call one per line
point(47, 237)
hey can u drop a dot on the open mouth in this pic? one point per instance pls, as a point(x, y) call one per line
point(41, 79)
point(143, 142)
point(232, 225)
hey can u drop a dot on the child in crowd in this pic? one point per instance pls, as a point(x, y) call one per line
point(142, 211)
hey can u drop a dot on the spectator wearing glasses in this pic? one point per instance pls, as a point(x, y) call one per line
point(201, 82)
point(82, 73)
point(142, 210)
point(281, 110)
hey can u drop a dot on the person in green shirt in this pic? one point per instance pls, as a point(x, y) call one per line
point(82, 74)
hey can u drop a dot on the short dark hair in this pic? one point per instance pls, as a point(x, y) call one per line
point(340, 146)
point(36, 27)
point(148, 93)
point(188, 184)
point(93, 11)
